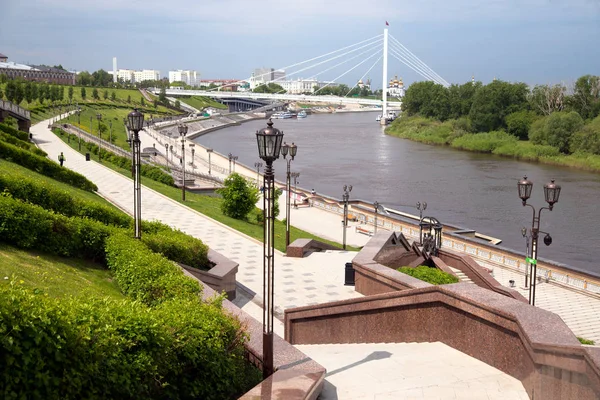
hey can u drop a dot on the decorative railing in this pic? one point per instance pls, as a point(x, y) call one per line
point(480, 252)
point(15, 109)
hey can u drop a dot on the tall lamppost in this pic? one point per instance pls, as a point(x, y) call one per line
point(233, 159)
point(551, 194)
point(258, 165)
point(230, 156)
point(292, 149)
point(99, 117)
point(209, 151)
point(346, 197)
point(171, 154)
point(526, 236)
point(135, 123)
point(376, 207)
point(295, 175)
point(79, 125)
point(91, 126)
point(167, 153)
point(421, 207)
point(110, 134)
point(269, 146)
point(183, 129)
point(193, 148)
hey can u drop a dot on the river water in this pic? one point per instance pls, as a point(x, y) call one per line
point(475, 191)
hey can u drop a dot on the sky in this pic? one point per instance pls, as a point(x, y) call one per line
point(532, 41)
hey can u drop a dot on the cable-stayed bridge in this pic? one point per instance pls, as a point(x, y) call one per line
point(347, 59)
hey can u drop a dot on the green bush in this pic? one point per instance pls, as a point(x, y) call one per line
point(44, 166)
point(77, 348)
point(427, 274)
point(178, 246)
point(21, 144)
point(526, 151)
point(484, 142)
point(587, 139)
point(36, 191)
point(239, 197)
point(23, 136)
point(585, 341)
point(146, 276)
point(422, 130)
point(556, 129)
point(518, 123)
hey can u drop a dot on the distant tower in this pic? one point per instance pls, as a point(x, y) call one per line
point(115, 69)
point(473, 78)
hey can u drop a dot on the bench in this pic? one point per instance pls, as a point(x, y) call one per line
point(364, 231)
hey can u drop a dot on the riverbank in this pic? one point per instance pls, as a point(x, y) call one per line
point(452, 134)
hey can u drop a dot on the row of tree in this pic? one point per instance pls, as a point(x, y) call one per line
point(16, 91)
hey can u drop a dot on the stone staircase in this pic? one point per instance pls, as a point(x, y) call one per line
point(461, 276)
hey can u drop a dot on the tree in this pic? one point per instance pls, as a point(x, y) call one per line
point(11, 91)
point(83, 93)
point(518, 123)
point(269, 88)
point(42, 92)
point(142, 101)
point(155, 103)
point(105, 95)
point(113, 96)
point(62, 93)
point(177, 104)
point(494, 101)
point(278, 193)
point(95, 94)
point(19, 93)
point(1, 94)
point(239, 197)
point(71, 93)
point(101, 78)
point(162, 97)
point(129, 98)
point(84, 78)
point(29, 95)
point(556, 129)
point(428, 99)
point(587, 139)
point(586, 96)
point(546, 99)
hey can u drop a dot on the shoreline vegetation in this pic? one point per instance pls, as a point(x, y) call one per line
point(548, 124)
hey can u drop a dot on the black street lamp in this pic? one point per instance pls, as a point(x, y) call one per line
point(269, 146)
point(91, 126)
point(376, 207)
point(183, 129)
point(135, 123)
point(234, 158)
point(421, 207)
point(171, 154)
point(79, 125)
point(292, 149)
point(193, 148)
point(295, 175)
point(230, 156)
point(167, 153)
point(346, 197)
point(209, 151)
point(258, 166)
point(99, 117)
point(526, 236)
point(110, 134)
point(551, 195)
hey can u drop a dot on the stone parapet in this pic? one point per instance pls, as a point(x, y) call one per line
point(221, 277)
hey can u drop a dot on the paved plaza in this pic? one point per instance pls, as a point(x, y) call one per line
point(319, 278)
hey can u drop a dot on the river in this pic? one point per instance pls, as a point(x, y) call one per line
point(475, 191)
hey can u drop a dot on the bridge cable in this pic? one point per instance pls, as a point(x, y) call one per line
point(312, 59)
point(365, 74)
point(357, 65)
point(418, 60)
point(414, 67)
point(325, 61)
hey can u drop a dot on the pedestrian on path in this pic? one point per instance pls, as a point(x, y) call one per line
point(61, 158)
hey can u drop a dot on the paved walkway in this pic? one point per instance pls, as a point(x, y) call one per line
point(317, 278)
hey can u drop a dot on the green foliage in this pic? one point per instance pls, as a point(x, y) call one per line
point(95, 94)
point(586, 341)
point(431, 275)
point(71, 91)
point(493, 102)
point(142, 101)
point(162, 96)
point(106, 349)
point(428, 99)
point(526, 151)
point(586, 96)
point(83, 93)
point(556, 129)
point(270, 88)
point(587, 139)
point(177, 104)
point(422, 129)
point(518, 123)
point(105, 94)
point(239, 197)
point(484, 142)
point(113, 96)
point(278, 193)
point(546, 99)
point(44, 166)
point(178, 246)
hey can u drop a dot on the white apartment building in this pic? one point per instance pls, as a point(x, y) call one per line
point(189, 77)
point(130, 75)
point(300, 86)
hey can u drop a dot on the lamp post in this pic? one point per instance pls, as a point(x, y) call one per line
point(193, 148)
point(292, 149)
point(551, 194)
point(110, 134)
point(79, 126)
point(91, 126)
point(526, 236)
point(421, 207)
point(183, 129)
point(295, 175)
point(135, 123)
point(376, 206)
point(209, 151)
point(230, 158)
point(233, 158)
point(269, 146)
point(99, 117)
point(167, 153)
point(346, 197)
point(258, 165)
point(171, 154)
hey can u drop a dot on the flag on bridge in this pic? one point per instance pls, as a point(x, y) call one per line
point(386, 23)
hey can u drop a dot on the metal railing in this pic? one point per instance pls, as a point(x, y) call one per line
point(15, 109)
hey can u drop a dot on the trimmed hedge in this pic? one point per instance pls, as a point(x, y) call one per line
point(427, 274)
point(178, 246)
point(13, 137)
point(30, 226)
point(44, 166)
point(104, 349)
point(147, 276)
point(24, 136)
point(36, 191)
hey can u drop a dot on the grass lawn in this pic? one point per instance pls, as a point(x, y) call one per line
point(201, 102)
point(211, 207)
point(56, 276)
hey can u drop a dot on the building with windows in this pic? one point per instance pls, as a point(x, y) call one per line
point(133, 76)
point(38, 73)
point(225, 85)
point(300, 86)
point(396, 87)
point(189, 77)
